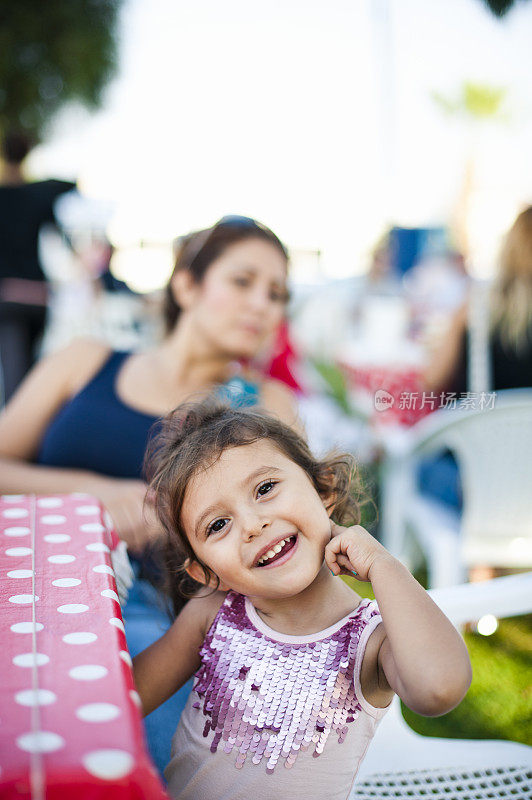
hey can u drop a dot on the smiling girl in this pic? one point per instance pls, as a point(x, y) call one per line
point(293, 670)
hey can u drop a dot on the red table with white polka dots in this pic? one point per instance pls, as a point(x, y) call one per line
point(70, 719)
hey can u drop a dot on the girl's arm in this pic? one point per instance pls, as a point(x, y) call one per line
point(168, 663)
point(422, 657)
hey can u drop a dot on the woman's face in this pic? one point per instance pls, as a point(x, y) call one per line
point(241, 299)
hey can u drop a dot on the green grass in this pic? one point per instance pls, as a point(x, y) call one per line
point(498, 704)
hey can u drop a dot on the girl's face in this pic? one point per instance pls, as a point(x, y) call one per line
point(256, 520)
point(241, 300)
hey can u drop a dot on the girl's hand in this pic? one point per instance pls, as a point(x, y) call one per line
point(353, 551)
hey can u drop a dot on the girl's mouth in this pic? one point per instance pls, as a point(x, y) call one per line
point(279, 553)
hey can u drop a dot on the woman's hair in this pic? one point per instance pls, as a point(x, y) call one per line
point(196, 252)
point(511, 301)
point(15, 146)
point(192, 438)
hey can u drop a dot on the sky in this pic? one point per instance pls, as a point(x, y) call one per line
point(314, 117)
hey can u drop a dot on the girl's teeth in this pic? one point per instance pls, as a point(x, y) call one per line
point(273, 552)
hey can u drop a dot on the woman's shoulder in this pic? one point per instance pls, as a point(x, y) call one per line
point(79, 361)
point(278, 399)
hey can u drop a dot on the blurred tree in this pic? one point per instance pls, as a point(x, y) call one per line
point(476, 104)
point(499, 7)
point(52, 53)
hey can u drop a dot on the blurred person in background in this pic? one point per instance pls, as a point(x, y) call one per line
point(509, 314)
point(82, 418)
point(504, 321)
point(24, 208)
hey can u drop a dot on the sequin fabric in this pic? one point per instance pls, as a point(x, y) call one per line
point(267, 700)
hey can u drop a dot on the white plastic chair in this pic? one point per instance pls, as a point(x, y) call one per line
point(493, 448)
point(402, 764)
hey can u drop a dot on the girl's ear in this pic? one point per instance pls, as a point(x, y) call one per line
point(184, 288)
point(329, 494)
point(195, 571)
point(329, 502)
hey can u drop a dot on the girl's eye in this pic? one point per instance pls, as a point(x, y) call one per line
point(216, 526)
point(265, 488)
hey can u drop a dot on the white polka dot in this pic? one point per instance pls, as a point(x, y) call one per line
point(26, 627)
point(108, 764)
point(20, 573)
point(49, 502)
point(92, 527)
point(57, 538)
point(79, 637)
point(23, 599)
point(19, 551)
point(97, 547)
point(35, 697)
point(98, 712)
point(88, 672)
point(18, 531)
point(66, 583)
point(31, 660)
point(111, 594)
point(85, 510)
point(53, 519)
point(124, 655)
point(12, 498)
point(15, 513)
point(72, 608)
point(62, 559)
point(103, 568)
point(108, 520)
point(40, 742)
point(135, 696)
point(117, 623)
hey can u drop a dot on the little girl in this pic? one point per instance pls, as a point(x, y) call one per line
point(293, 671)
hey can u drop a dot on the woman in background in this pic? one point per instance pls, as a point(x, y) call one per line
point(510, 323)
point(81, 419)
point(509, 345)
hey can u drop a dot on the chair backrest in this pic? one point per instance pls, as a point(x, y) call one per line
point(494, 450)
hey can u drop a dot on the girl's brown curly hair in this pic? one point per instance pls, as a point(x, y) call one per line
point(192, 438)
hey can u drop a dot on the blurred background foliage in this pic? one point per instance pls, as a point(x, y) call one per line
point(53, 53)
point(500, 7)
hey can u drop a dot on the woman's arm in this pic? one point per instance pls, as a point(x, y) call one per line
point(421, 656)
point(23, 423)
point(168, 663)
point(444, 361)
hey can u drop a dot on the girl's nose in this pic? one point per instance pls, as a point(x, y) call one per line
point(253, 526)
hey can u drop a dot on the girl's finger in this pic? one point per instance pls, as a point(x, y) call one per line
point(338, 562)
point(345, 564)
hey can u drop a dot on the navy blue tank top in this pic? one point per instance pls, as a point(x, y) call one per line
point(96, 431)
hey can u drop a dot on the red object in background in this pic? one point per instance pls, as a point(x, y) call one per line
point(283, 363)
point(409, 403)
point(70, 713)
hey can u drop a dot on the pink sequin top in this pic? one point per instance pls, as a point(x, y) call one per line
point(273, 715)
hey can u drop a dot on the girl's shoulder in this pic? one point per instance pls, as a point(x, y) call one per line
point(204, 606)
